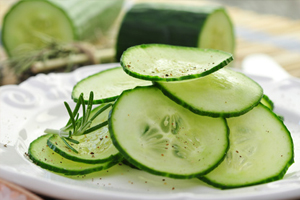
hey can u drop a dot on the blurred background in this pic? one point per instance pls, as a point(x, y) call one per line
point(270, 27)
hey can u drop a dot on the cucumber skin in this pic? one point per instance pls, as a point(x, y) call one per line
point(276, 177)
point(266, 101)
point(64, 171)
point(79, 33)
point(166, 24)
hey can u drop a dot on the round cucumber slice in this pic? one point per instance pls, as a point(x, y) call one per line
point(224, 93)
point(261, 150)
point(43, 156)
point(94, 147)
point(163, 138)
point(106, 85)
point(159, 62)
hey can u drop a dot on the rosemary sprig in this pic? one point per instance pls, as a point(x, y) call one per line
point(79, 126)
point(68, 145)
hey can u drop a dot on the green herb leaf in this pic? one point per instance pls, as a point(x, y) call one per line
point(79, 126)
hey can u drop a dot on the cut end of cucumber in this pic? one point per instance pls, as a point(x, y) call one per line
point(217, 32)
point(30, 25)
point(184, 25)
point(159, 62)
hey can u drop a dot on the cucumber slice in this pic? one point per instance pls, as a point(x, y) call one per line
point(159, 62)
point(159, 136)
point(266, 101)
point(94, 147)
point(182, 25)
point(61, 21)
point(43, 156)
point(107, 85)
point(224, 93)
point(261, 150)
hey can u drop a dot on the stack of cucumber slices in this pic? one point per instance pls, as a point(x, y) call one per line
point(176, 112)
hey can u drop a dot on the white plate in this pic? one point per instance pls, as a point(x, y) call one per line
point(27, 109)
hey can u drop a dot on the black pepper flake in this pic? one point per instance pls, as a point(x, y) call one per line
point(5, 145)
point(92, 153)
point(101, 138)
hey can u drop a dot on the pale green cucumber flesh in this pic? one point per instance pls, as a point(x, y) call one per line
point(93, 148)
point(163, 138)
point(261, 150)
point(217, 32)
point(43, 156)
point(224, 93)
point(159, 62)
point(106, 85)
